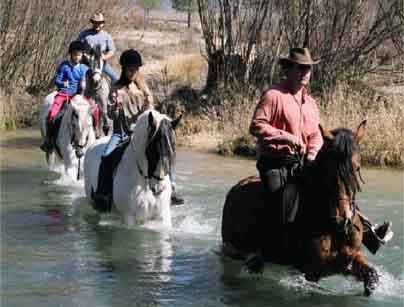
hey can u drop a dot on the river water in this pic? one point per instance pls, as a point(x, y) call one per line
point(55, 252)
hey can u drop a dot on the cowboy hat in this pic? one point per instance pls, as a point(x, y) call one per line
point(97, 17)
point(299, 56)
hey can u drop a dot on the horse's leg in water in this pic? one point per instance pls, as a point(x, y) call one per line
point(319, 260)
point(242, 233)
point(359, 267)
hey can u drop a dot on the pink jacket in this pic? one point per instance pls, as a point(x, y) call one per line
point(279, 116)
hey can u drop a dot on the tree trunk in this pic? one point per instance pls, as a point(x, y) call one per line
point(189, 15)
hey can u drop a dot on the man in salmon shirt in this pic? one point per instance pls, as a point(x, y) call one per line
point(286, 124)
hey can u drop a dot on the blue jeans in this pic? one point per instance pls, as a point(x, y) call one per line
point(172, 176)
point(109, 71)
point(112, 143)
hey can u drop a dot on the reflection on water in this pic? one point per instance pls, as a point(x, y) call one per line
point(57, 252)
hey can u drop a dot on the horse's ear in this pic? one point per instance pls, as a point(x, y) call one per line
point(176, 121)
point(326, 133)
point(360, 132)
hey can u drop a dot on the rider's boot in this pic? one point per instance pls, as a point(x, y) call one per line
point(176, 198)
point(103, 196)
point(375, 236)
point(47, 145)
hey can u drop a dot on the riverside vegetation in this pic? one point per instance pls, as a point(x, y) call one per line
point(216, 83)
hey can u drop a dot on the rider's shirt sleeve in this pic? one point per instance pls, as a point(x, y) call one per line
point(59, 77)
point(84, 69)
point(110, 44)
point(267, 116)
point(315, 139)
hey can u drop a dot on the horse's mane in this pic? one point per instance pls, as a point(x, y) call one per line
point(336, 155)
point(332, 167)
point(166, 143)
point(157, 139)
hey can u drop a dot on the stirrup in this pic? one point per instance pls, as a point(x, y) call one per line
point(384, 232)
point(375, 237)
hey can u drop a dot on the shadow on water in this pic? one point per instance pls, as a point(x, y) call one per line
point(20, 143)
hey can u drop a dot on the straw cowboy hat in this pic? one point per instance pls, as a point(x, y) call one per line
point(97, 17)
point(300, 56)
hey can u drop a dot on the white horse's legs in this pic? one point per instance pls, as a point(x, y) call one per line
point(165, 211)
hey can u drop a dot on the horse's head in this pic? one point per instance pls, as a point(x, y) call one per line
point(96, 65)
point(337, 168)
point(81, 123)
point(154, 139)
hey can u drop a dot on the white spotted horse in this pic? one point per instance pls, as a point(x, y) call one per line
point(141, 187)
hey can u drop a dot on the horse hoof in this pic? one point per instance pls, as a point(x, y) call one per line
point(254, 264)
point(371, 283)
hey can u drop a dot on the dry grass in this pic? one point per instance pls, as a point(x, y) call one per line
point(19, 110)
point(384, 141)
point(187, 69)
point(383, 144)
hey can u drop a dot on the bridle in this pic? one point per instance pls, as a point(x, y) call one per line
point(95, 58)
point(351, 200)
point(150, 174)
point(74, 142)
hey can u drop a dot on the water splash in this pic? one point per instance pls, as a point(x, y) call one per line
point(390, 286)
point(191, 225)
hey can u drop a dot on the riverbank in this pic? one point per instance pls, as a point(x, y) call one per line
point(15, 143)
point(176, 71)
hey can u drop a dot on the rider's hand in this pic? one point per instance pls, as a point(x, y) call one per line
point(117, 99)
point(296, 143)
point(66, 83)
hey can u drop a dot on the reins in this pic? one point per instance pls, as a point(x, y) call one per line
point(75, 145)
point(152, 176)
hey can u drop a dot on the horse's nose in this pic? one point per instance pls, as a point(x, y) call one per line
point(79, 153)
point(97, 77)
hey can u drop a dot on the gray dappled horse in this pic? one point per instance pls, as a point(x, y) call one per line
point(98, 87)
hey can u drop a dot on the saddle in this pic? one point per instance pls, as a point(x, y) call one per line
point(281, 178)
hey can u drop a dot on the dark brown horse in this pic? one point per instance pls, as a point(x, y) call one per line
point(326, 237)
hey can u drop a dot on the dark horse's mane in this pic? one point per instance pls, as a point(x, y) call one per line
point(333, 166)
point(161, 146)
point(337, 153)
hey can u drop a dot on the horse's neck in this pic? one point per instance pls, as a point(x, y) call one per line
point(65, 130)
point(129, 165)
point(94, 88)
point(315, 200)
